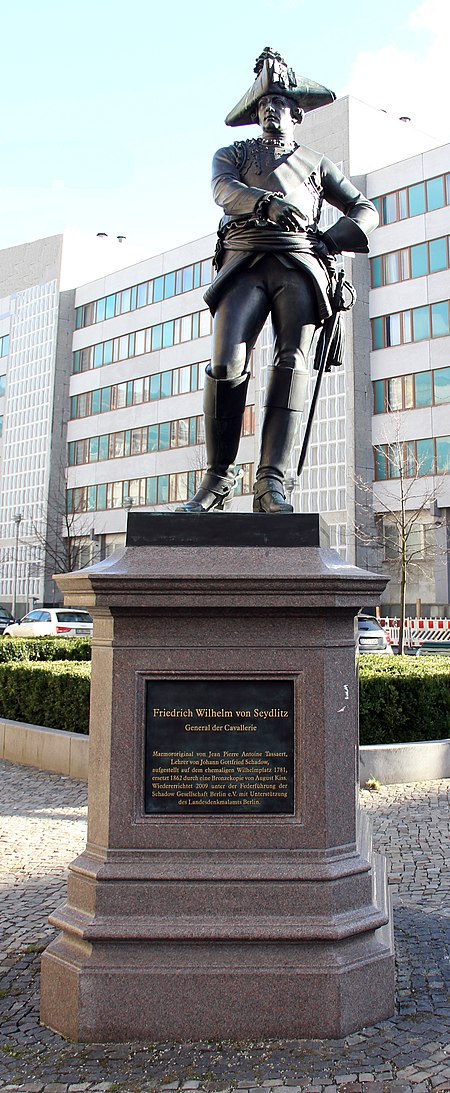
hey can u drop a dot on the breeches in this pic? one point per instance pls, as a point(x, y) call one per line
point(267, 288)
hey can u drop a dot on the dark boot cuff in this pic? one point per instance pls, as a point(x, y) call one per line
point(225, 398)
point(286, 388)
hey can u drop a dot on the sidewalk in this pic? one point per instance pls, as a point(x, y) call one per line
point(42, 828)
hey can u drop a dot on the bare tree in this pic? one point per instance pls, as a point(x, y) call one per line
point(401, 500)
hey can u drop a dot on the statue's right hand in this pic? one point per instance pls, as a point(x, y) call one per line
point(285, 215)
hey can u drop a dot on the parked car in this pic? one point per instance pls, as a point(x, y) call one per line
point(371, 636)
point(62, 622)
point(5, 618)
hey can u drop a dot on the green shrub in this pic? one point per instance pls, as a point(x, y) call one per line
point(44, 649)
point(54, 694)
point(402, 699)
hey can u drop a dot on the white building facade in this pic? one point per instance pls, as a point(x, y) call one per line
point(410, 369)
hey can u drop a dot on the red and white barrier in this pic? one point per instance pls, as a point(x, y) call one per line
point(417, 631)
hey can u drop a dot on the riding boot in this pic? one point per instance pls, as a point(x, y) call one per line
point(285, 399)
point(223, 407)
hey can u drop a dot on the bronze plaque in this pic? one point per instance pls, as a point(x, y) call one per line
point(219, 746)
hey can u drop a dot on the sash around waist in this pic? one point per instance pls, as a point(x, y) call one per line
point(269, 239)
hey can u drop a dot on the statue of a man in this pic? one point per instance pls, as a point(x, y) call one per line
point(271, 259)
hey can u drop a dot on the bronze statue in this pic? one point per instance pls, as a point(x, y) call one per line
point(272, 259)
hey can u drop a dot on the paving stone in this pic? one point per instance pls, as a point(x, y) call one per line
point(42, 828)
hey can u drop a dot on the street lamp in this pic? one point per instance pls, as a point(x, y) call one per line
point(17, 520)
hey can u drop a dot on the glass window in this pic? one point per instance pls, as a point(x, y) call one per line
point(127, 442)
point(155, 387)
point(410, 459)
point(139, 342)
point(389, 208)
point(123, 347)
point(109, 306)
point(395, 393)
point(166, 384)
point(183, 432)
point(435, 193)
point(416, 199)
point(71, 452)
point(405, 265)
point(121, 395)
point(107, 352)
point(406, 323)
point(186, 325)
point(138, 392)
point(184, 379)
point(167, 340)
point(156, 337)
point(164, 436)
point(197, 275)
point(188, 279)
point(395, 460)
point(376, 272)
point(152, 438)
point(421, 323)
point(438, 254)
point(379, 396)
point(96, 400)
point(133, 298)
point(194, 379)
point(377, 328)
point(439, 320)
point(91, 498)
point(419, 260)
point(391, 268)
point(443, 454)
point(163, 489)
point(441, 379)
point(151, 488)
point(403, 204)
point(158, 289)
point(179, 281)
point(192, 430)
point(207, 271)
point(422, 383)
point(205, 324)
point(106, 399)
point(2, 386)
point(130, 393)
point(103, 446)
point(119, 445)
point(101, 496)
point(136, 441)
point(393, 330)
point(142, 294)
point(169, 285)
point(93, 449)
point(425, 456)
point(408, 388)
point(98, 355)
point(125, 300)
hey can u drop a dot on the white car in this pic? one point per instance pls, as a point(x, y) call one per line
point(372, 638)
point(60, 622)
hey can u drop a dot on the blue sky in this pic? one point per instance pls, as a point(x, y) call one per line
point(102, 101)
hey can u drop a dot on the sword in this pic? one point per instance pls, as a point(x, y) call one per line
point(331, 325)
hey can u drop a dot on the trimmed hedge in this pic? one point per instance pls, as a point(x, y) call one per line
point(403, 699)
point(54, 694)
point(44, 649)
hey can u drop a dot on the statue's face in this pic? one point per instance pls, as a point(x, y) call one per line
point(274, 113)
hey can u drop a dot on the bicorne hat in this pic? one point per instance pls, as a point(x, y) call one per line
point(273, 77)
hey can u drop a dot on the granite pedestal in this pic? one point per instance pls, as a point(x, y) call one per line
point(213, 910)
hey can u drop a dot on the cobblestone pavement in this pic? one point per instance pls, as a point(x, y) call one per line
point(42, 827)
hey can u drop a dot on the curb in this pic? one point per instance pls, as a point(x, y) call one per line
point(54, 750)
